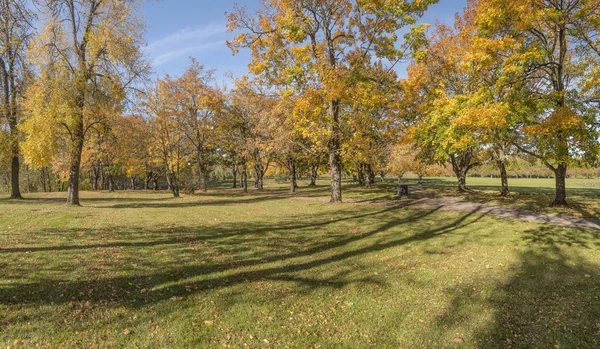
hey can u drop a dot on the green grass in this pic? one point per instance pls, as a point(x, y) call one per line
point(140, 269)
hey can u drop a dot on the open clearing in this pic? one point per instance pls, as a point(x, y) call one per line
point(141, 269)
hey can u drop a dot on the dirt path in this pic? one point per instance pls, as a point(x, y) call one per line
point(455, 204)
point(428, 201)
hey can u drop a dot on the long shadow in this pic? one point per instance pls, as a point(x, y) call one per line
point(55, 200)
point(179, 281)
point(175, 203)
point(197, 234)
point(551, 299)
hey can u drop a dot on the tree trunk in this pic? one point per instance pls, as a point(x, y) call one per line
point(462, 182)
point(234, 175)
point(73, 184)
point(111, 183)
point(244, 176)
point(460, 167)
point(202, 169)
point(360, 173)
point(292, 169)
point(503, 178)
point(560, 176)
point(259, 170)
point(133, 182)
point(15, 192)
point(155, 181)
point(314, 173)
point(43, 178)
point(369, 175)
point(172, 182)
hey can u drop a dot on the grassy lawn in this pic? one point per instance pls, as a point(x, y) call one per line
point(223, 269)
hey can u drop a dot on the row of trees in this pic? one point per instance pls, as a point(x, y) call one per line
point(508, 80)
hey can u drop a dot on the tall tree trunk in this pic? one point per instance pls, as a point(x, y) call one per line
point(259, 171)
point(15, 191)
point(73, 184)
point(133, 182)
point(560, 177)
point(292, 168)
point(27, 180)
point(503, 178)
point(314, 173)
point(234, 174)
point(202, 169)
point(244, 177)
point(360, 173)
point(334, 148)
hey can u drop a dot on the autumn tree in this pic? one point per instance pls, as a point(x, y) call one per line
point(88, 53)
point(167, 144)
point(15, 32)
point(466, 112)
point(319, 47)
point(404, 158)
point(557, 55)
point(200, 103)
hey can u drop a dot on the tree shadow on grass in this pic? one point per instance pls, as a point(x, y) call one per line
point(551, 299)
point(167, 281)
point(176, 203)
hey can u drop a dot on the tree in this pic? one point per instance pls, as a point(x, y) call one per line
point(319, 48)
point(557, 55)
point(443, 128)
point(15, 33)
point(88, 53)
point(167, 137)
point(200, 105)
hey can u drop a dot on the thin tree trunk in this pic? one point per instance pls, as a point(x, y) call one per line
point(360, 173)
point(292, 169)
point(244, 177)
point(314, 173)
point(234, 175)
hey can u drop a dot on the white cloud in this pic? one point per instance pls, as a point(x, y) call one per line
point(186, 41)
point(174, 54)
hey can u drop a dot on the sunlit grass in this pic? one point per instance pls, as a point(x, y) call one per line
point(141, 269)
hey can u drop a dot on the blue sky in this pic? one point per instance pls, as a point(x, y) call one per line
point(179, 29)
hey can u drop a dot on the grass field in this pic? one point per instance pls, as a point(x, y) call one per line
point(224, 269)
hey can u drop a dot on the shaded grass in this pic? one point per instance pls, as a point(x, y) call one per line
point(139, 269)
